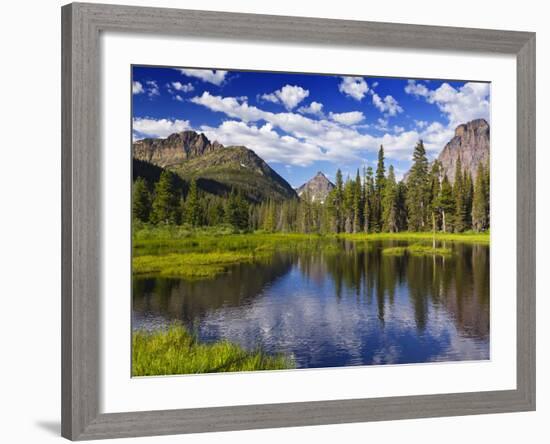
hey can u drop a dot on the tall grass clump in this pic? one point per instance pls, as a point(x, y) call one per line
point(427, 250)
point(191, 265)
point(394, 251)
point(176, 352)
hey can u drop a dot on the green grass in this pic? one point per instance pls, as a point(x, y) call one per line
point(394, 251)
point(201, 253)
point(176, 352)
point(417, 250)
point(191, 265)
point(427, 250)
point(469, 236)
point(150, 240)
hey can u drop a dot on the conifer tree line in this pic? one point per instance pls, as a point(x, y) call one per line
point(370, 202)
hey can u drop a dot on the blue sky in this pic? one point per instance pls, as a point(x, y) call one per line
point(304, 123)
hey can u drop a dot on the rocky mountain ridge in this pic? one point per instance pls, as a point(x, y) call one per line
point(316, 189)
point(174, 149)
point(216, 168)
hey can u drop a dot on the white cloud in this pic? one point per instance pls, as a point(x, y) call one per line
point(289, 96)
point(435, 135)
point(232, 106)
point(147, 127)
point(398, 129)
point(388, 105)
point(314, 108)
point(416, 89)
point(265, 142)
point(469, 102)
point(178, 98)
point(305, 140)
point(421, 124)
point(349, 118)
point(183, 87)
point(382, 124)
point(216, 77)
point(137, 88)
point(355, 87)
point(152, 88)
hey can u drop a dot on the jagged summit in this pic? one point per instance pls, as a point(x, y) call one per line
point(471, 143)
point(316, 189)
point(174, 149)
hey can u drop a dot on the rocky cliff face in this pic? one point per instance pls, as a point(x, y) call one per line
point(173, 150)
point(471, 143)
point(316, 189)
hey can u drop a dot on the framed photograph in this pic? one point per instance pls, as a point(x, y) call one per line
point(278, 221)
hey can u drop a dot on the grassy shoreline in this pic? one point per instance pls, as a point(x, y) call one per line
point(175, 352)
point(203, 253)
point(483, 238)
point(184, 237)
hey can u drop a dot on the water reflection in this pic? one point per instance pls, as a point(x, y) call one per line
point(345, 306)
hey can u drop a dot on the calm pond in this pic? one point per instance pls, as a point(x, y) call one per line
point(353, 306)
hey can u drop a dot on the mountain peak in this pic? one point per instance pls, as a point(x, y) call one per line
point(216, 168)
point(474, 125)
point(174, 149)
point(316, 189)
point(471, 144)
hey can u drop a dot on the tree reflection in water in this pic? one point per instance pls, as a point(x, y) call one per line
point(349, 305)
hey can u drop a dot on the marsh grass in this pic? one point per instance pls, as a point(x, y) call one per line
point(176, 351)
point(417, 250)
point(394, 251)
point(192, 265)
point(201, 253)
point(469, 236)
point(427, 250)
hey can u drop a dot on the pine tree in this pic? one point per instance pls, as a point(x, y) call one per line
point(435, 195)
point(166, 202)
point(468, 199)
point(369, 200)
point(338, 200)
point(269, 218)
point(380, 181)
point(236, 211)
point(389, 203)
point(358, 204)
point(305, 215)
point(460, 215)
point(215, 212)
point(347, 208)
point(479, 206)
point(380, 171)
point(446, 204)
point(192, 205)
point(418, 189)
point(401, 199)
point(141, 200)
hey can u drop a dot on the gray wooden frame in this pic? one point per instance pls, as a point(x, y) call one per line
point(81, 231)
